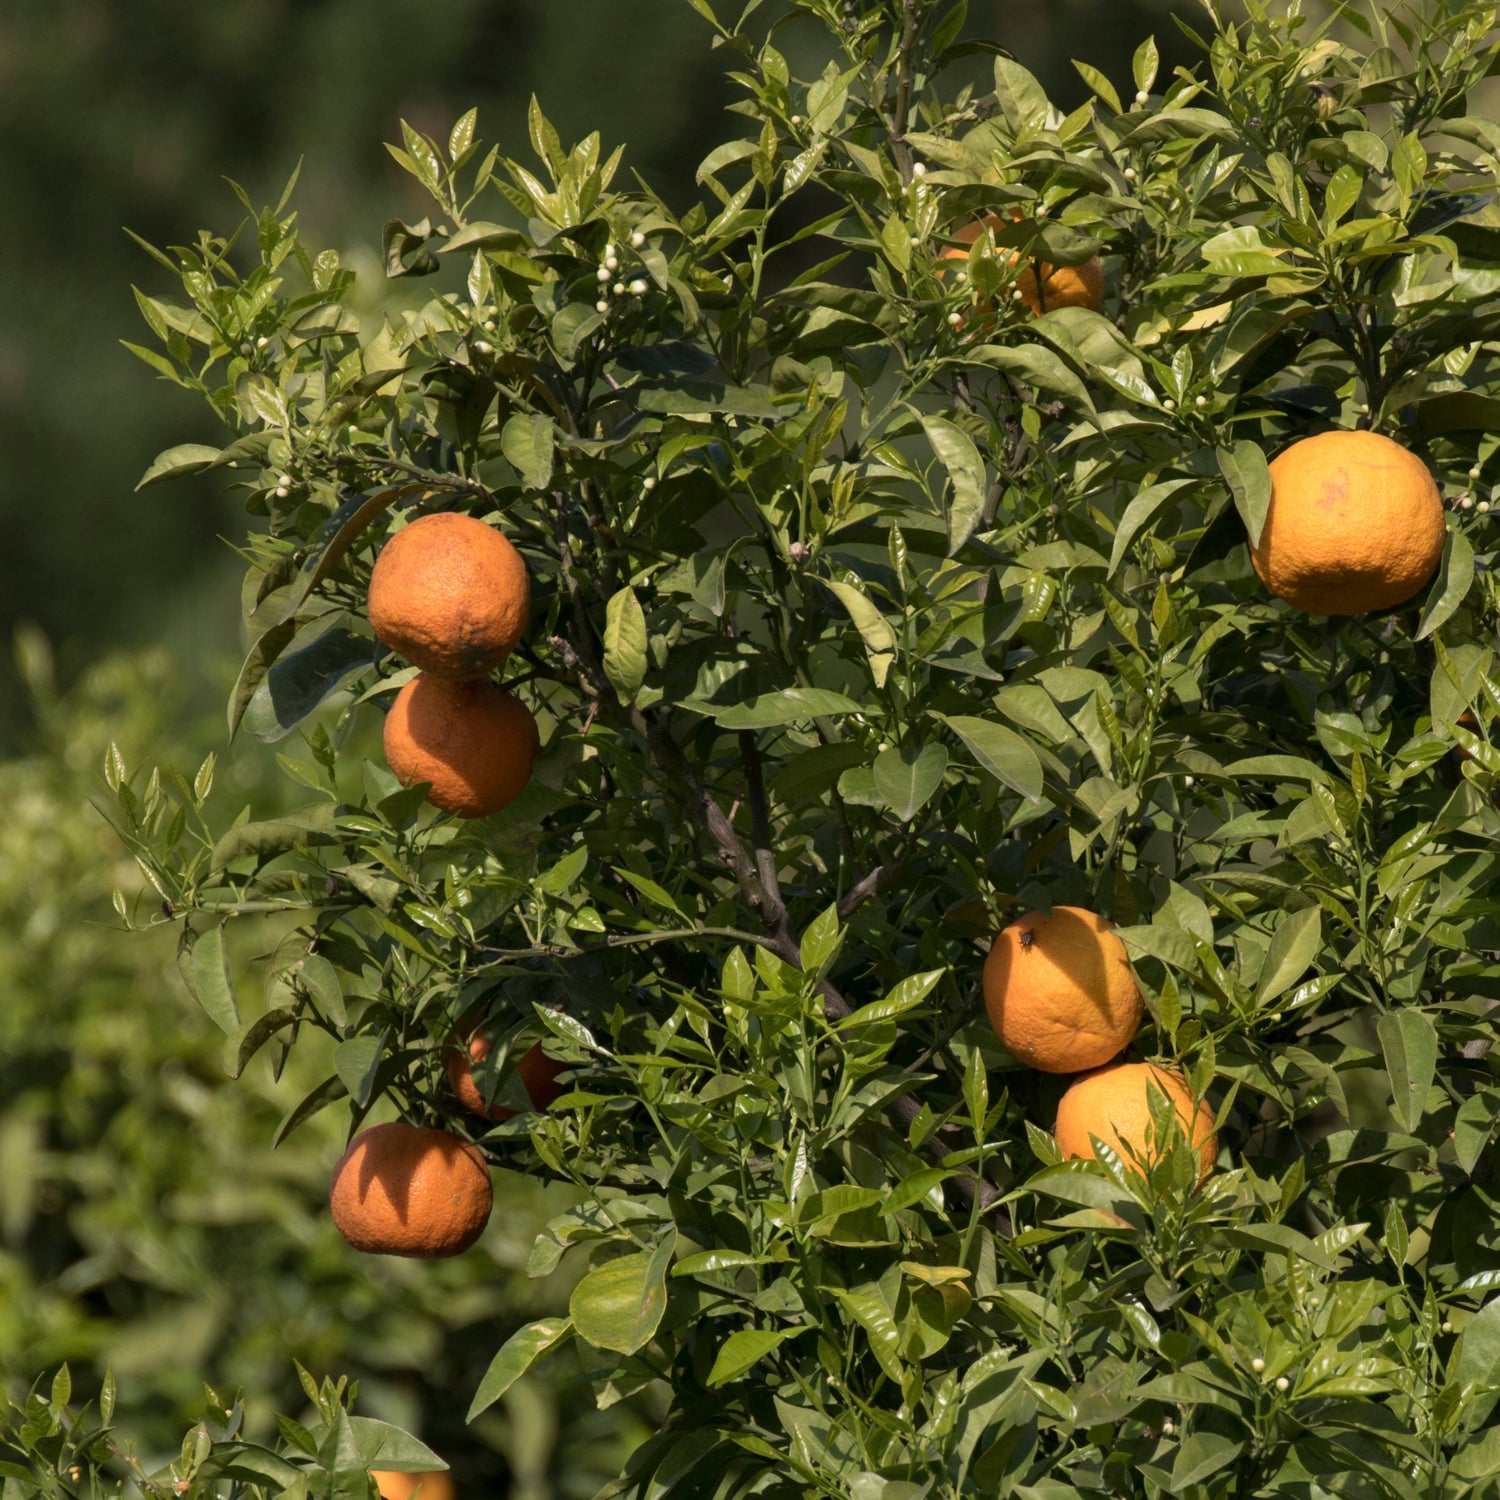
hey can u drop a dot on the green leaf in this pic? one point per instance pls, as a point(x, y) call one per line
point(907, 777)
point(1455, 574)
point(786, 707)
point(625, 644)
point(1002, 752)
point(1477, 1359)
point(619, 1305)
point(956, 452)
point(528, 442)
point(1292, 949)
point(1410, 1044)
point(357, 1061)
point(257, 663)
point(1046, 371)
point(203, 960)
point(1248, 476)
point(300, 681)
point(874, 629)
point(1201, 1454)
point(1140, 513)
point(654, 893)
point(742, 1350)
point(185, 458)
point(515, 1357)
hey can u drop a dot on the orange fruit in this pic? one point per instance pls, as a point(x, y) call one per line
point(474, 742)
point(434, 1484)
point(451, 595)
point(1114, 1105)
point(1061, 286)
point(538, 1074)
point(1355, 523)
point(410, 1190)
point(1060, 992)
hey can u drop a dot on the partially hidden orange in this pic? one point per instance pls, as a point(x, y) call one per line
point(451, 595)
point(472, 740)
point(410, 1190)
point(1355, 523)
point(1060, 992)
point(1061, 286)
point(538, 1074)
point(430, 1484)
point(1113, 1104)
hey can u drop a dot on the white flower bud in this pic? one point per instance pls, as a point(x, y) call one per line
point(602, 273)
point(1447, 1325)
point(611, 250)
point(247, 348)
point(1466, 501)
point(1170, 404)
point(1053, 510)
point(261, 342)
point(612, 264)
point(638, 288)
point(796, 119)
point(885, 744)
point(1283, 1384)
point(618, 288)
point(1475, 472)
point(918, 169)
point(1016, 295)
point(1168, 1427)
point(282, 492)
point(601, 306)
point(1257, 1364)
point(482, 348)
point(1189, 781)
point(955, 320)
point(1142, 97)
point(648, 483)
point(1200, 402)
point(1129, 174)
point(1483, 506)
point(637, 239)
point(916, 239)
point(489, 325)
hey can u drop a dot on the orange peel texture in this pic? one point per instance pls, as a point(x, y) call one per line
point(1355, 523)
point(1060, 992)
point(451, 595)
point(410, 1190)
point(1114, 1105)
point(473, 741)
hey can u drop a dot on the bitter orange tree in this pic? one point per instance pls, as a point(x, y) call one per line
point(860, 625)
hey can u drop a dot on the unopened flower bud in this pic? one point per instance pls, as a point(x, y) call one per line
point(955, 320)
point(1200, 402)
point(1483, 506)
point(1257, 1364)
point(637, 239)
point(618, 289)
point(610, 250)
point(601, 306)
point(612, 264)
point(796, 119)
point(1129, 174)
point(602, 273)
point(638, 287)
point(1142, 97)
point(1283, 1384)
point(648, 483)
point(1170, 404)
point(1475, 472)
point(482, 348)
point(918, 169)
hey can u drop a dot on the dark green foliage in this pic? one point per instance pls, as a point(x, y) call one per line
point(862, 617)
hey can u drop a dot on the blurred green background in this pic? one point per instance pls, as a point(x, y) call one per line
point(144, 1221)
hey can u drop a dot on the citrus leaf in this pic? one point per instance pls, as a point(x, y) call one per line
point(907, 778)
point(1248, 476)
point(956, 452)
point(1002, 752)
point(515, 1357)
point(619, 1305)
point(742, 1350)
point(787, 706)
point(1292, 949)
point(1449, 587)
point(1410, 1044)
point(874, 629)
point(625, 643)
point(204, 962)
point(529, 442)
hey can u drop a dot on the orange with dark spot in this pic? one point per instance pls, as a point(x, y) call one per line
point(1355, 523)
point(451, 595)
point(474, 742)
point(1114, 1105)
point(1060, 992)
point(538, 1074)
point(409, 1190)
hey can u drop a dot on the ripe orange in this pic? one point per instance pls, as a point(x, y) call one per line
point(1355, 523)
point(410, 1190)
point(434, 1484)
point(538, 1074)
point(1062, 286)
point(1114, 1105)
point(451, 595)
point(472, 741)
point(1060, 992)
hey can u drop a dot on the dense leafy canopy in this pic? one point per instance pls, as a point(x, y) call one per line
point(862, 619)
